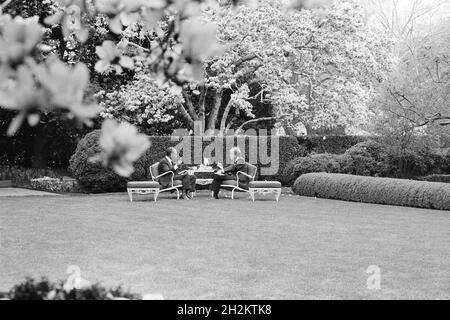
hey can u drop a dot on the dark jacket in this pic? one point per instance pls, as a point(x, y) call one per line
point(163, 167)
point(238, 165)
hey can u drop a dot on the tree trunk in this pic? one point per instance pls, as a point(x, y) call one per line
point(39, 156)
point(211, 123)
point(189, 106)
point(201, 107)
point(223, 122)
point(186, 117)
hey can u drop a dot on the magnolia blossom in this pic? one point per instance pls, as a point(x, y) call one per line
point(65, 87)
point(121, 145)
point(18, 39)
point(141, 101)
point(22, 95)
point(122, 13)
point(70, 19)
point(111, 56)
point(199, 43)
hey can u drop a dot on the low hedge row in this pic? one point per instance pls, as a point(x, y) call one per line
point(388, 191)
point(92, 177)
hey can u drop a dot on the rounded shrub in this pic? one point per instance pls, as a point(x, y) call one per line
point(313, 163)
point(92, 176)
point(399, 192)
point(367, 158)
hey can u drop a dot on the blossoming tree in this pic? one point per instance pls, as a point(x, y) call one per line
point(313, 66)
point(308, 65)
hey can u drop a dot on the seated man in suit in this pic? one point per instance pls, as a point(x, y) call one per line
point(229, 172)
point(167, 164)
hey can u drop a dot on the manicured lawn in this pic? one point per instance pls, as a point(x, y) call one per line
point(209, 249)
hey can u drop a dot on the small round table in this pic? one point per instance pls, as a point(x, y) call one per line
point(202, 181)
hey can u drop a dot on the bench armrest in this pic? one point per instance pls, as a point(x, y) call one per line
point(245, 174)
point(164, 174)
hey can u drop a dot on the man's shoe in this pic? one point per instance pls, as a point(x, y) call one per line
point(216, 196)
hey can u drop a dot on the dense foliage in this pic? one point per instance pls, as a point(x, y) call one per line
point(372, 158)
point(335, 144)
point(93, 177)
point(43, 289)
point(313, 67)
point(388, 191)
point(323, 162)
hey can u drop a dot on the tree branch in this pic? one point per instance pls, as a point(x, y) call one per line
point(258, 120)
point(211, 124)
point(190, 106)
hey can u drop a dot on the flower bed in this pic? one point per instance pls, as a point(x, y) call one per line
point(55, 185)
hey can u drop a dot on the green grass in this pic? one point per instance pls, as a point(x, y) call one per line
point(208, 249)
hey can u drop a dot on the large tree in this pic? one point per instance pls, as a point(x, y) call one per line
point(312, 66)
point(415, 98)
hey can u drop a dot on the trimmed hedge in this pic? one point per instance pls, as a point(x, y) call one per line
point(92, 177)
point(329, 144)
point(388, 191)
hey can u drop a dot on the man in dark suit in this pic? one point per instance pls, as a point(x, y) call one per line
point(167, 164)
point(229, 172)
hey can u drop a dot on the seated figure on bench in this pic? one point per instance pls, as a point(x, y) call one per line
point(167, 164)
point(229, 173)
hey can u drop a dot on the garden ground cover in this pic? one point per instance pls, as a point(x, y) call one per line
point(300, 248)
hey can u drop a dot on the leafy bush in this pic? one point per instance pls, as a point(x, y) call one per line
point(54, 185)
point(313, 163)
point(289, 149)
point(412, 163)
point(366, 159)
point(374, 190)
point(411, 155)
point(92, 176)
point(31, 289)
point(49, 144)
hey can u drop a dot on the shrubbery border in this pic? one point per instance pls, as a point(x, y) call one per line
point(399, 192)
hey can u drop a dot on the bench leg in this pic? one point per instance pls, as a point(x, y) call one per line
point(130, 194)
point(278, 194)
point(178, 194)
point(252, 195)
point(155, 195)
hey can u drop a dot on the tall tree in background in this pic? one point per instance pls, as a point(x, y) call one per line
point(415, 98)
point(316, 67)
